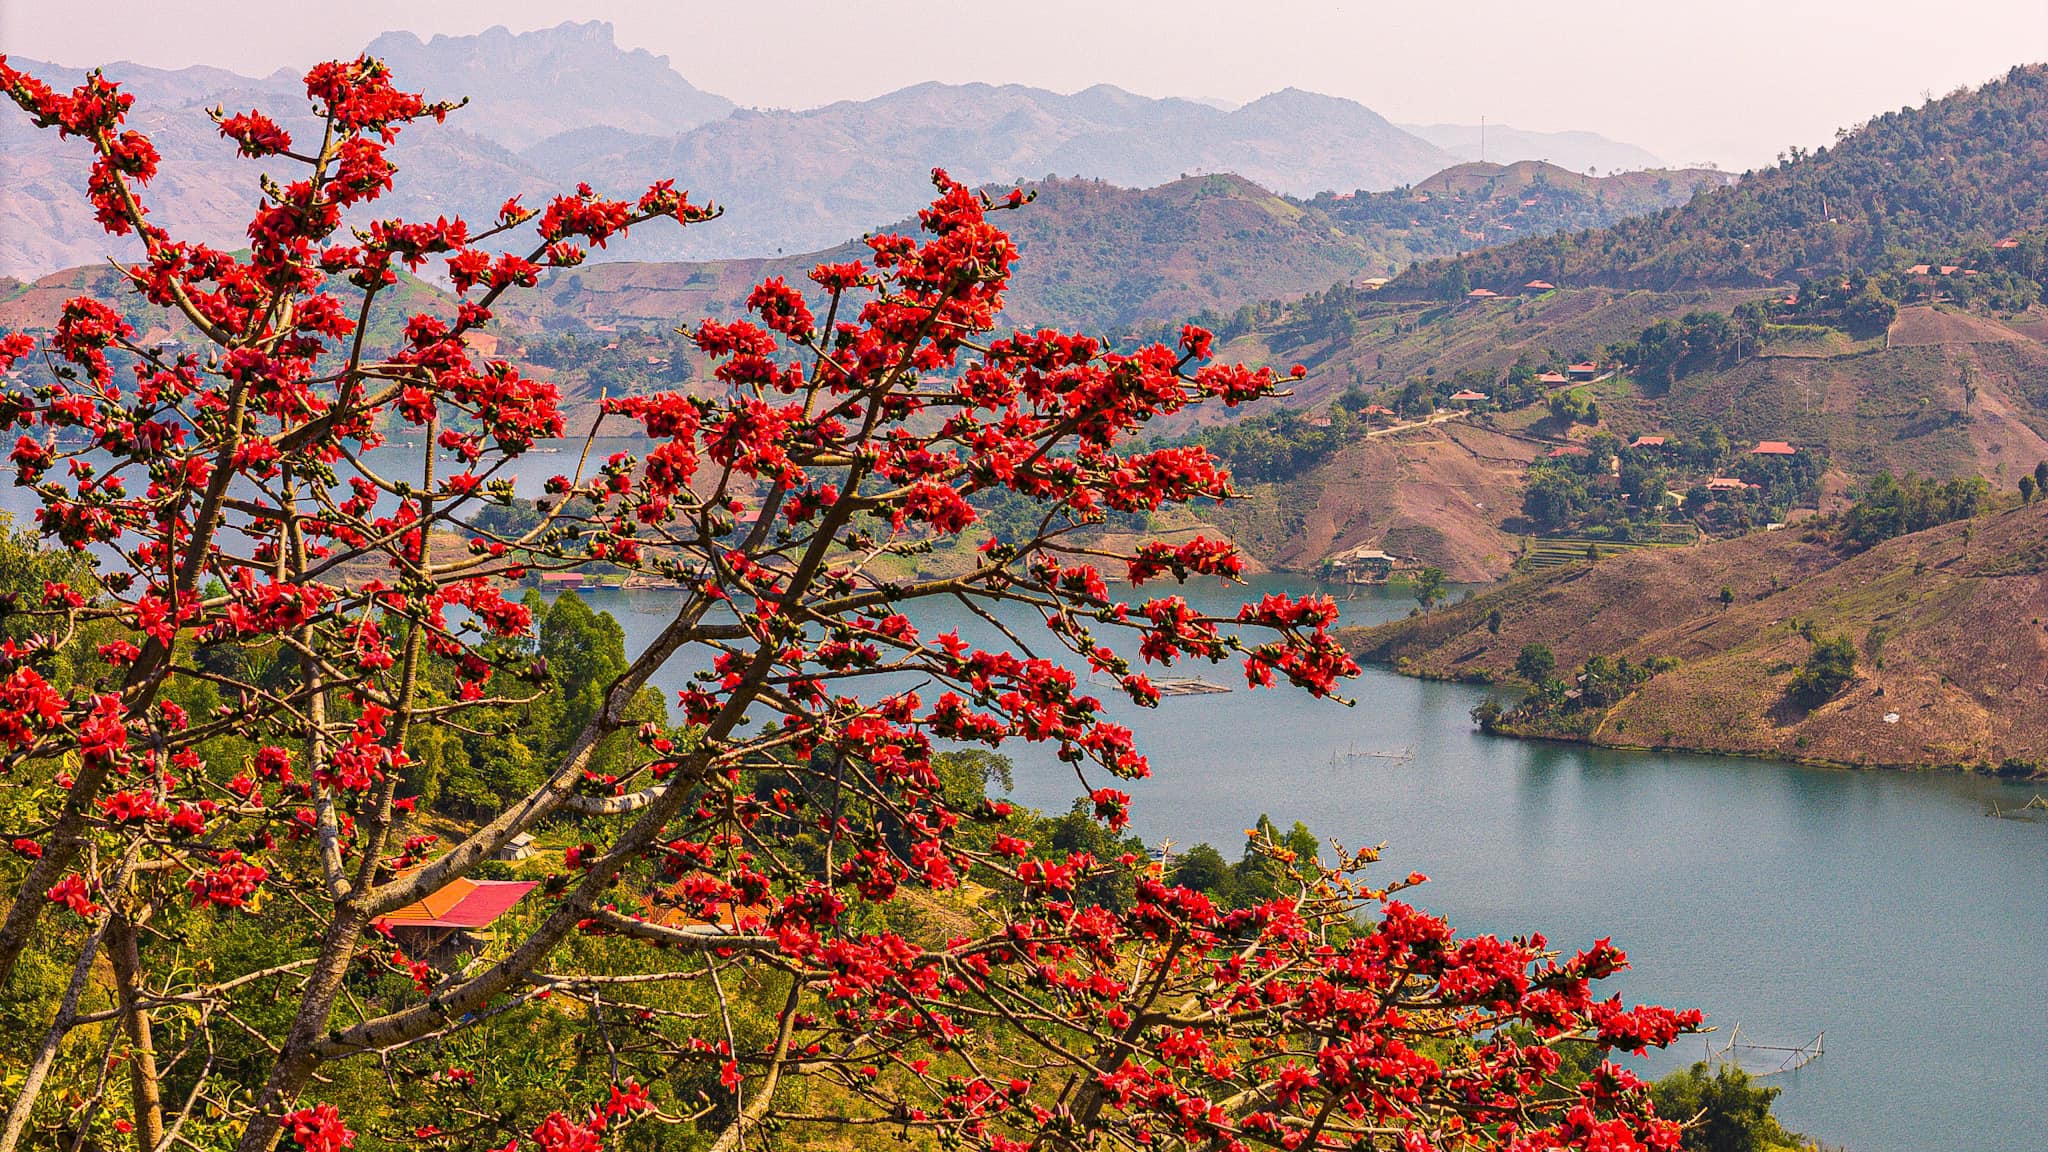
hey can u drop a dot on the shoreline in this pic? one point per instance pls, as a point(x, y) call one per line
point(1512, 732)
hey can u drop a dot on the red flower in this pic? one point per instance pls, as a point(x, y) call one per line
point(319, 1129)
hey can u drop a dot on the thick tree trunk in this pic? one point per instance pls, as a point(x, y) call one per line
point(147, 1103)
point(296, 1062)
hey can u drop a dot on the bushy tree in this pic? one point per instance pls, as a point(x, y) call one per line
point(1733, 1111)
point(1829, 667)
point(1429, 586)
point(1536, 663)
point(1897, 505)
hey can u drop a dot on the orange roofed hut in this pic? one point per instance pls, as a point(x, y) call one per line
point(454, 919)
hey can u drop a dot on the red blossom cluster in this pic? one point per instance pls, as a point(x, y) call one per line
point(228, 502)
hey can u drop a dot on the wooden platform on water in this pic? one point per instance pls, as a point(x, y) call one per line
point(1188, 686)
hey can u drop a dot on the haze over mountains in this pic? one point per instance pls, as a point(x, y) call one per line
point(1499, 143)
point(564, 104)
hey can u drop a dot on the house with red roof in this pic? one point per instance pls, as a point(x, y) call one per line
point(1482, 294)
point(1583, 371)
point(455, 919)
point(1773, 448)
point(1725, 484)
point(1568, 450)
point(1535, 286)
point(1468, 396)
point(1647, 442)
point(1551, 378)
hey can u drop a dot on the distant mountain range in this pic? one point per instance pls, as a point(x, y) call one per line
point(553, 107)
point(525, 89)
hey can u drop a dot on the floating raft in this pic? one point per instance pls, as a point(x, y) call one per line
point(1187, 686)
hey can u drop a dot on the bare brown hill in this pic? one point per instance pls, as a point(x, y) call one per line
point(1952, 655)
point(1436, 494)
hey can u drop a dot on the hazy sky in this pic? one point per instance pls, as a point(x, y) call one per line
point(1732, 81)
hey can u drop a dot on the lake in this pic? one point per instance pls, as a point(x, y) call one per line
point(1884, 909)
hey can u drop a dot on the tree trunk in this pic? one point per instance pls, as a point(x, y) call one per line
point(142, 1074)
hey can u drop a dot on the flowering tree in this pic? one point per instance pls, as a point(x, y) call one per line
point(213, 725)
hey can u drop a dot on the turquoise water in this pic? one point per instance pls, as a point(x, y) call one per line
point(1882, 908)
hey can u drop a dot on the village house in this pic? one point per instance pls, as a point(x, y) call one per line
point(1538, 287)
point(1773, 448)
point(1469, 396)
point(455, 920)
point(1725, 484)
point(1482, 294)
point(1647, 442)
point(1552, 379)
point(1364, 564)
point(1583, 372)
point(519, 847)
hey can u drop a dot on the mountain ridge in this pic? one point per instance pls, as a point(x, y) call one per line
point(792, 180)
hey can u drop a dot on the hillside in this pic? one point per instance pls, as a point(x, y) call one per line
point(1116, 260)
point(1951, 662)
point(1434, 494)
point(1876, 303)
point(1094, 256)
point(1959, 172)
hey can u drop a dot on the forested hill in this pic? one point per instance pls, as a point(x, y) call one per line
point(1119, 261)
point(1094, 256)
point(1957, 173)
